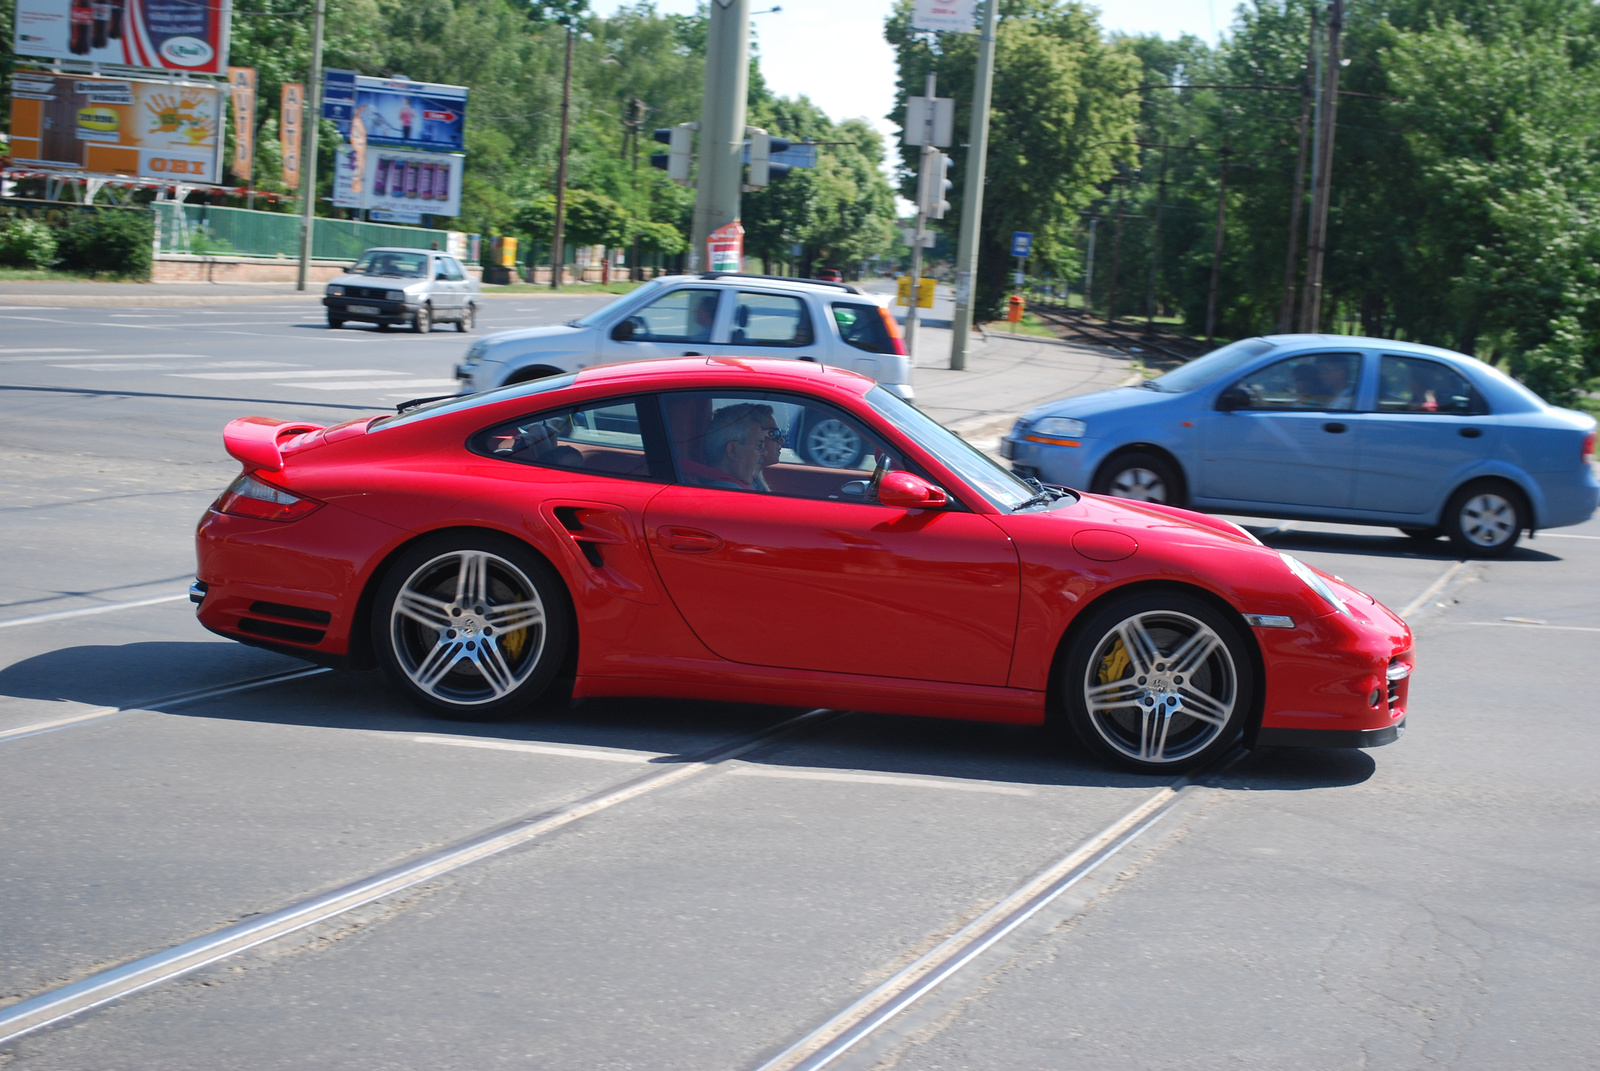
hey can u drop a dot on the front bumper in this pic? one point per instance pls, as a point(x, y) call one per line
point(370, 310)
point(1064, 466)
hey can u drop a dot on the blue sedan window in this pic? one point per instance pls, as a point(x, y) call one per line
point(1202, 370)
point(1312, 381)
point(1415, 385)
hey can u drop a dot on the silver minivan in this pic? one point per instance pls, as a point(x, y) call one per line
point(713, 315)
point(414, 287)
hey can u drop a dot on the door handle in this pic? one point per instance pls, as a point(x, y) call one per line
point(1335, 427)
point(1469, 433)
point(692, 353)
point(689, 540)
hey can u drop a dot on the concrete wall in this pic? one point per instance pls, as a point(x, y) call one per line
point(190, 268)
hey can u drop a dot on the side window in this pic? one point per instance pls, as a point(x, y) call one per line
point(1418, 385)
point(449, 269)
point(1315, 381)
point(774, 443)
point(863, 326)
point(770, 320)
point(684, 315)
point(606, 439)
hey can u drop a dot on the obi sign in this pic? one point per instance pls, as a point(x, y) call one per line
point(160, 130)
point(725, 247)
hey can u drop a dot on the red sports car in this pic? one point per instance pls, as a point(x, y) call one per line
point(645, 530)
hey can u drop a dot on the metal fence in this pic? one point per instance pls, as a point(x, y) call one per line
point(241, 232)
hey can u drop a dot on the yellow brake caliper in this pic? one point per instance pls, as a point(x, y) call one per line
point(1115, 664)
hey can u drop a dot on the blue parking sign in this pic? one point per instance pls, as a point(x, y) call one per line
point(1021, 243)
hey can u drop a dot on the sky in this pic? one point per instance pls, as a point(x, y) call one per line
point(833, 51)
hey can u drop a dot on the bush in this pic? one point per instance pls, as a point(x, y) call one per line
point(114, 240)
point(27, 243)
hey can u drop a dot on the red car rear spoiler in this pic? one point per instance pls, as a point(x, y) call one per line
point(254, 440)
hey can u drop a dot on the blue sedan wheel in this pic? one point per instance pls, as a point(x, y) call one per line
point(1485, 519)
point(1139, 477)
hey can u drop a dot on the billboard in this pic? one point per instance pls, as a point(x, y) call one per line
point(159, 35)
point(397, 182)
point(117, 126)
point(412, 115)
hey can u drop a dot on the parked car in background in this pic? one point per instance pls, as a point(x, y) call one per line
point(718, 314)
point(830, 275)
point(415, 287)
point(1328, 427)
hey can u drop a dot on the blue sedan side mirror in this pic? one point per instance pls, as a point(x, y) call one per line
point(1233, 398)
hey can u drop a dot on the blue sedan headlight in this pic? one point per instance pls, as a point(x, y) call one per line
point(1057, 431)
point(1314, 582)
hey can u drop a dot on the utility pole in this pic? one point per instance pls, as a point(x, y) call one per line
point(558, 252)
point(1297, 198)
point(1116, 260)
point(1216, 245)
point(719, 173)
point(1311, 308)
point(1155, 249)
point(1088, 276)
point(972, 199)
point(923, 185)
point(308, 165)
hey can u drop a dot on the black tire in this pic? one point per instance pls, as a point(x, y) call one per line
point(832, 444)
point(1140, 477)
point(1158, 720)
point(1422, 535)
point(452, 654)
point(335, 322)
point(469, 316)
point(1485, 518)
point(422, 322)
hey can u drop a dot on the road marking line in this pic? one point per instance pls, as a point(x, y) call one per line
point(38, 349)
point(376, 384)
point(167, 701)
point(877, 779)
point(1432, 589)
point(1536, 625)
point(309, 373)
point(853, 1025)
point(1565, 535)
point(62, 615)
point(542, 749)
point(98, 989)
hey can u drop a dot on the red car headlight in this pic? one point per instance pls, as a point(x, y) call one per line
point(250, 497)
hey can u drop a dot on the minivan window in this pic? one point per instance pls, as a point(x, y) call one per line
point(862, 326)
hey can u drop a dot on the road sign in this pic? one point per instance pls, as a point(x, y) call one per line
point(1022, 243)
point(943, 16)
point(924, 292)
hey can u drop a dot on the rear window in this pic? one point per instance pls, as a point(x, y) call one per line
point(455, 403)
point(861, 325)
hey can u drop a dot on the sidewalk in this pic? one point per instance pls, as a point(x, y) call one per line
point(1006, 375)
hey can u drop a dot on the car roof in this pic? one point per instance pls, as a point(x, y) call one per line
point(402, 249)
point(702, 371)
point(780, 281)
point(1364, 342)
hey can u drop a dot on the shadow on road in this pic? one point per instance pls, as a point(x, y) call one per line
point(135, 675)
point(1381, 544)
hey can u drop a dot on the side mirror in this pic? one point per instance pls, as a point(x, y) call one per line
point(902, 490)
point(623, 332)
point(1233, 398)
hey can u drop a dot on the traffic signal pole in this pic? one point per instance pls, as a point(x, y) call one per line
point(972, 199)
point(925, 182)
point(720, 171)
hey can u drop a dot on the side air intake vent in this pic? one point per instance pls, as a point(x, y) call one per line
point(290, 613)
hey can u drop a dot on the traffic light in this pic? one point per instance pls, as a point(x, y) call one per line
point(762, 167)
point(934, 184)
point(678, 160)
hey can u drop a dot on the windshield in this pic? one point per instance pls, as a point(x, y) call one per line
point(994, 483)
point(456, 402)
point(395, 264)
point(1202, 370)
point(595, 317)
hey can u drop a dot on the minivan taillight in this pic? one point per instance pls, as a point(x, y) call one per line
point(250, 497)
point(893, 329)
point(1588, 448)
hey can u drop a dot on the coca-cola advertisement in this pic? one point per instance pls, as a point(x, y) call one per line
point(159, 35)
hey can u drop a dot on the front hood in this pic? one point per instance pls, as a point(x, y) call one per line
point(1088, 405)
point(564, 332)
point(376, 282)
point(1161, 521)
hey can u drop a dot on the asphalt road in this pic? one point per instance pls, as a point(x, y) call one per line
point(1429, 904)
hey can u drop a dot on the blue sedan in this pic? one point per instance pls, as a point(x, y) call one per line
point(1328, 427)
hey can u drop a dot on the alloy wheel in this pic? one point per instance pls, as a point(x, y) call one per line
point(833, 444)
point(468, 628)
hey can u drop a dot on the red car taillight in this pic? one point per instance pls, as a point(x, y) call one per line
point(1588, 448)
point(249, 497)
point(894, 331)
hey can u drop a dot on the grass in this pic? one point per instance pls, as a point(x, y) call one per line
point(1030, 325)
point(51, 275)
point(616, 286)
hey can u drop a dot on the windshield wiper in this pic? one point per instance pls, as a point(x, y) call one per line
point(1150, 384)
point(1043, 495)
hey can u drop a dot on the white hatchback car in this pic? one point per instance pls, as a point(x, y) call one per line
point(719, 314)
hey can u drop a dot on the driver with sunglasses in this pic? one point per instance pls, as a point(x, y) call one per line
point(741, 440)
